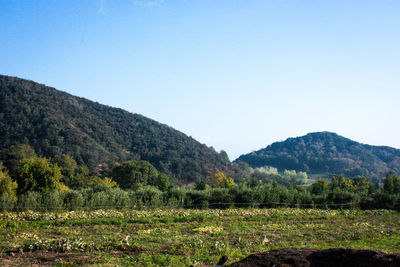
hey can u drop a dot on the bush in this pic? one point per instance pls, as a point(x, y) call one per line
point(102, 196)
point(341, 199)
point(382, 200)
point(147, 196)
point(118, 198)
point(220, 198)
point(197, 199)
point(31, 200)
point(74, 200)
point(175, 197)
point(51, 200)
point(7, 202)
point(7, 190)
point(277, 196)
point(303, 198)
point(319, 201)
point(247, 197)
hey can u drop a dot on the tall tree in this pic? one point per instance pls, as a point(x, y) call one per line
point(319, 187)
point(73, 176)
point(37, 174)
point(391, 183)
point(7, 185)
point(14, 154)
point(132, 174)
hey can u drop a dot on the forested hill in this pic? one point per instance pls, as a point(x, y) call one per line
point(55, 123)
point(327, 154)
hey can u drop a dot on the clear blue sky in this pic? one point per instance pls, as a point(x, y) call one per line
point(234, 74)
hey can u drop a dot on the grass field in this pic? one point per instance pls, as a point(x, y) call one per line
point(184, 237)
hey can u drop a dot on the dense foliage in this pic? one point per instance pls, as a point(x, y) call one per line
point(7, 188)
point(326, 154)
point(55, 123)
point(61, 183)
point(38, 183)
point(36, 174)
point(135, 174)
point(340, 193)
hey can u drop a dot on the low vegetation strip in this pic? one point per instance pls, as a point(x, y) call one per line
point(181, 237)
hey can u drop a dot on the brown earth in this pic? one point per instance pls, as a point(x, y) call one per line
point(306, 257)
point(51, 258)
point(291, 257)
point(43, 258)
point(39, 258)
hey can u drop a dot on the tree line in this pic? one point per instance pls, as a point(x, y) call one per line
point(28, 181)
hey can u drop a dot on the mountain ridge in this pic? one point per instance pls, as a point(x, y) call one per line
point(326, 153)
point(54, 122)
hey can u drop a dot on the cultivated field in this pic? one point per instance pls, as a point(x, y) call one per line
point(184, 237)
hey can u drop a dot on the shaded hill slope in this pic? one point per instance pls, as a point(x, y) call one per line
point(326, 153)
point(54, 123)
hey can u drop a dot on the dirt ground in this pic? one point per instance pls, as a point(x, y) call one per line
point(291, 257)
point(51, 258)
point(305, 257)
point(41, 258)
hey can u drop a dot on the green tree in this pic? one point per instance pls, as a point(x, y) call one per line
point(290, 173)
point(14, 154)
point(7, 186)
point(106, 181)
point(302, 177)
point(161, 182)
point(297, 177)
point(220, 180)
point(342, 183)
point(37, 174)
point(391, 183)
point(224, 155)
point(362, 185)
point(228, 182)
point(67, 167)
point(132, 174)
point(319, 187)
point(73, 176)
point(201, 184)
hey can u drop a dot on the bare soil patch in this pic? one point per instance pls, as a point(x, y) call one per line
point(42, 258)
point(306, 257)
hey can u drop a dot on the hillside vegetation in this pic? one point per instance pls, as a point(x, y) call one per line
point(326, 154)
point(55, 123)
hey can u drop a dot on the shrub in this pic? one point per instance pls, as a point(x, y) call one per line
point(175, 197)
point(147, 196)
point(31, 200)
point(220, 198)
point(247, 197)
point(7, 190)
point(197, 199)
point(74, 200)
point(52, 200)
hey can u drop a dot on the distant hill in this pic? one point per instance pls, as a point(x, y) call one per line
point(54, 123)
point(326, 153)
